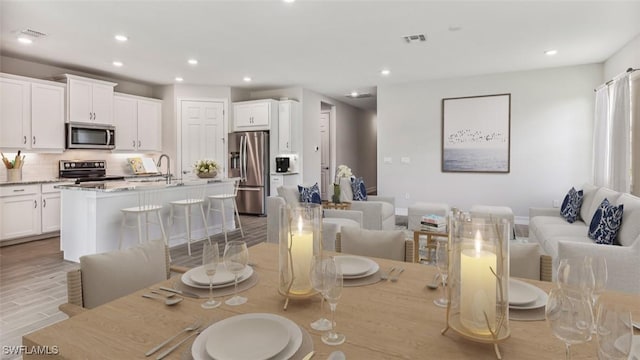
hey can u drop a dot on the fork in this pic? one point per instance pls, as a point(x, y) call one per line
point(194, 326)
point(395, 277)
point(385, 275)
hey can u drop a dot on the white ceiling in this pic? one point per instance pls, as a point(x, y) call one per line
point(332, 47)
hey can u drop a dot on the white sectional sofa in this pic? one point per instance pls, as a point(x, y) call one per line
point(560, 239)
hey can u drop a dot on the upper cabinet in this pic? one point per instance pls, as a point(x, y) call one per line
point(89, 100)
point(288, 118)
point(254, 115)
point(138, 122)
point(31, 114)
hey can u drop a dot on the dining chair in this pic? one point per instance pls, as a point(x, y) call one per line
point(108, 276)
point(217, 203)
point(149, 203)
point(194, 199)
point(526, 260)
point(387, 244)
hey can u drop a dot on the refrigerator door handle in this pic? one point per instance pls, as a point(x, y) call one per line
point(241, 155)
point(244, 155)
point(249, 189)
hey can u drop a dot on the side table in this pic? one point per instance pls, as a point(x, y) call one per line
point(431, 243)
point(345, 205)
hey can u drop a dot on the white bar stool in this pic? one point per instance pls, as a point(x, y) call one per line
point(149, 201)
point(222, 199)
point(195, 198)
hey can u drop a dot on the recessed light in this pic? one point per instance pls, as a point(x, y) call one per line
point(25, 40)
point(385, 72)
point(289, 1)
point(192, 62)
point(118, 63)
point(455, 28)
point(354, 94)
point(179, 79)
point(551, 52)
point(246, 79)
point(121, 38)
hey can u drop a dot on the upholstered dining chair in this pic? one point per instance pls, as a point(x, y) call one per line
point(388, 244)
point(526, 260)
point(108, 276)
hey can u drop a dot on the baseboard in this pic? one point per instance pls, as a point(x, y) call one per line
point(521, 220)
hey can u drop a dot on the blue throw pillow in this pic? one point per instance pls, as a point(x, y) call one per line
point(359, 190)
point(310, 194)
point(606, 223)
point(571, 205)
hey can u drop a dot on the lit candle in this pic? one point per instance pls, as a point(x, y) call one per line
point(302, 255)
point(477, 288)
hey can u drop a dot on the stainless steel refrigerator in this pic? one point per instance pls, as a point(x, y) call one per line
point(249, 161)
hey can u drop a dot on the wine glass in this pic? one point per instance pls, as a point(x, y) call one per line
point(442, 263)
point(614, 332)
point(568, 312)
point(576, 274)
point(332, 276)
point(210, 260)
point(317, 281)
point(236, 257)
point(599, 270)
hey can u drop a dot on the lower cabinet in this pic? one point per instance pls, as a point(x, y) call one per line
point(50, 208)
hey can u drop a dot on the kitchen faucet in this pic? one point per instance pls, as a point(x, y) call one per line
point(168, 175)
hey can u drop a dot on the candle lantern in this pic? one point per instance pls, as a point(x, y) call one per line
point(300, 238)
point(478, 279)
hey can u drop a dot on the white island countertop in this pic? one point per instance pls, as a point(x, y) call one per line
point(130, 184)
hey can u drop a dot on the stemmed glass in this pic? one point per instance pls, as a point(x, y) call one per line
point(236, 257)
point(569, 315)
point(442, 263)
point(332, 276)
point(576, 274)
point(600, 275)
point(210, 260)
point(614, 332)
point(317, 281)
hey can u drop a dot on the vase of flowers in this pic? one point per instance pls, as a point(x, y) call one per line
point(206, 168)
point(342, 171)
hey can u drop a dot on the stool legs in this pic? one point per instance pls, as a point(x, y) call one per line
point(235, 206)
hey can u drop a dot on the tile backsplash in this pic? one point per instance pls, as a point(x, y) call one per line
point(45, 166)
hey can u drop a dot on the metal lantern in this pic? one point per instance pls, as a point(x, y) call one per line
point(478, 279)
point(300, 239)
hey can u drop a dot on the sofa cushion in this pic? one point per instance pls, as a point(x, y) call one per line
point(290, 194)
point(571, 205)
point(606, 223)
point(630, 228)
point(589, 193)
point(359, 189)
point(310, 194)
point(601, 194)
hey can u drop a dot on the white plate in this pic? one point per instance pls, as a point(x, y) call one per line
point(371, 271)
point(199, 351)
point(521, 293)
point(228, 339)
point(540, 301)
point(354, 265)
point(246, 273)
point(222, 276)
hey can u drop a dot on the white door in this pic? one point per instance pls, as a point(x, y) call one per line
point(325, 152)
point(47, 116)
point(203, 134)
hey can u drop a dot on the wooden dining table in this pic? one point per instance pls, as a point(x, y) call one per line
point(385, 320)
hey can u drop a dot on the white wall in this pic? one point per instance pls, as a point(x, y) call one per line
point(551, 134)
point(628, 56)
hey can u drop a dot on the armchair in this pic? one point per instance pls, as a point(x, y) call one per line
point(378, 212)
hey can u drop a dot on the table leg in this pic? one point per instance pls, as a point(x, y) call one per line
point(416, 246)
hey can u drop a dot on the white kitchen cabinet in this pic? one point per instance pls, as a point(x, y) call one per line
point(138, 122)
point(50, 208)
point(254, 115)
point(19, 211)
point(32, 114)
point(288, 118)
point(89, 100)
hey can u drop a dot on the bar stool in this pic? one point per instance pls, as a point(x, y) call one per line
point(195, 198)
point(222, 199)
point(149, 201)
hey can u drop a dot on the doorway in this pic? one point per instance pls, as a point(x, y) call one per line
point(326, 163)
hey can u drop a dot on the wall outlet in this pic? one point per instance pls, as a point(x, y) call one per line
point(556, 203)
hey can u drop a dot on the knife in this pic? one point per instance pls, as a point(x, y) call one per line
point(184, 293)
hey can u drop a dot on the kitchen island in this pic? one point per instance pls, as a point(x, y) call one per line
point(91, 216)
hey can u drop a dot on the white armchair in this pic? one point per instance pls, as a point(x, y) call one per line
point(378, 212)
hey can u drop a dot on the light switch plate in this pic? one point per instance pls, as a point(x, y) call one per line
point(388, 160)
point(405, 160)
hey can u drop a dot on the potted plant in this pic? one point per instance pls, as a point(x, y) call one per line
point(206, 168)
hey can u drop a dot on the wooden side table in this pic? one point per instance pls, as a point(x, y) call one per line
point(345, 205)
point(431, 243)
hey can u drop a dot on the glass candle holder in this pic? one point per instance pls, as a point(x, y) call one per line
point(479, 279)
point(300, 239)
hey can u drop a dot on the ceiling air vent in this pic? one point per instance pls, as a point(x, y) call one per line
point(358, 96)
point(415, 38)
point(33, 33)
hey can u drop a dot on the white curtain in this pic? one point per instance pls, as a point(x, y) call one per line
point(612, 136)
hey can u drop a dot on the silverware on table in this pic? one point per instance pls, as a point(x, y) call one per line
point(385, 275)
point(181, 292)
point(191, 327)
point(395, 277)
point(309, 355)
point(172, 348)
point(435, 283)
point(169, 301)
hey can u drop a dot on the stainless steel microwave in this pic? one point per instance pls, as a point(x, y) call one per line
point(90, 136)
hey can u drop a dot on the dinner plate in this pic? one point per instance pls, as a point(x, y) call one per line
point(371, 271)
point(521, 293)
point(199, 276)
point(354, 265)
point(246, 273)
point(540, 301)
point(199, 351)
point(228, 339)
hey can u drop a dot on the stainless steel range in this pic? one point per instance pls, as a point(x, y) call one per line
point(85, 171)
